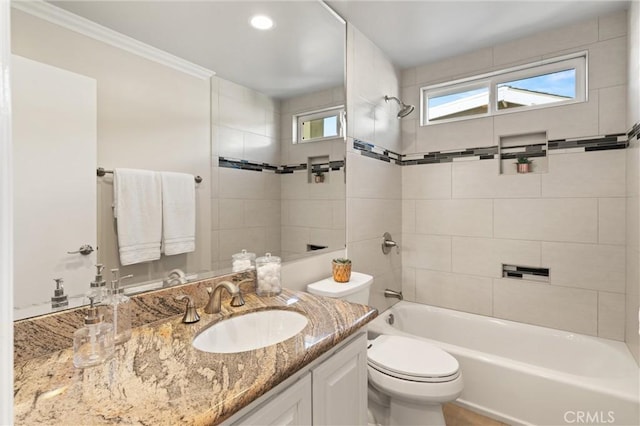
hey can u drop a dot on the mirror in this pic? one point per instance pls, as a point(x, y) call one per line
point(260, 191)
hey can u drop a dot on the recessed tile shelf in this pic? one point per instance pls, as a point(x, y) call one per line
point(534, 146)
point(525, 273)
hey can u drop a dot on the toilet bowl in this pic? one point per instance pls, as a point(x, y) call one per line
point(409, 379)
point(417, 376)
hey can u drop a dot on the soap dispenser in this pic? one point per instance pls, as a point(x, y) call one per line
point(59, 299)
point(118, 309)
point(98, 285)
point(93, 343)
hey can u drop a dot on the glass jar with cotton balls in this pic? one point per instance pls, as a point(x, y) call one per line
point(268, 275)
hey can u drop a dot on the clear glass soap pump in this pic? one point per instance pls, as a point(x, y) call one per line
point(118, 308)
point(93, 343)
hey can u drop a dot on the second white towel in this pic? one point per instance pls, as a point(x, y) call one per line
point(178, 213)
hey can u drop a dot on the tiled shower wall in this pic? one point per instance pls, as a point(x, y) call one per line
point(633, 183)
point(462, 220)
point(373, 196)
point(245, 204)
point(312, 213)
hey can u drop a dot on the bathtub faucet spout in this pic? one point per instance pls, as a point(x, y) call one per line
point(393, 293)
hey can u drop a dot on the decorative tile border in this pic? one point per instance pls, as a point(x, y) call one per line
point(634, 133)
point(597, 143)
point(556, 146)
point(280, 170)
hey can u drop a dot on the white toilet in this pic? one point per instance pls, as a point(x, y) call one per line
point(409, 379)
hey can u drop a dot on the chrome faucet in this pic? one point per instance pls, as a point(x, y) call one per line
point(215, 297)
point(393, 293)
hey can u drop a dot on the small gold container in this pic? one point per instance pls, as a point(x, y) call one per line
point(341, 272)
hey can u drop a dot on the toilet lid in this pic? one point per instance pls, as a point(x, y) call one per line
point(411, 359)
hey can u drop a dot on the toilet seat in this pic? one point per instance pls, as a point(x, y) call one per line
point(410, 359)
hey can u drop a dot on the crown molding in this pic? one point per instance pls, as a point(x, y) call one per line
point(73, 22)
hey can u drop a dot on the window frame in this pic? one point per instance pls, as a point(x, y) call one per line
point(578, 61)
point(299, 118)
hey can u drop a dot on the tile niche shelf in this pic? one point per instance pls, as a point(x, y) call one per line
point(531, 145)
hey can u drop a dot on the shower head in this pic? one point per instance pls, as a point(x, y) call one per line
point(404, 108)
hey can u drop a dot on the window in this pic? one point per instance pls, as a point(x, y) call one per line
point(546, 83)
point(318, 125)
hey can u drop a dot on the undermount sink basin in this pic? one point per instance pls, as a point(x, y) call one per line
point(250, 331)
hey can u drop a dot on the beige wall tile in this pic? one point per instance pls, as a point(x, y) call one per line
point(455, 135)
point(485, 256)
point(408, 216)
point(612, 26)
point(426, 181)
point(612, 111)
point(235, 183)
point(310, 214)
point(370, 218)
point(371, 178)
point(567, 121)
point(608, 63)
point(549, 306)
point(589, 266)
point(426, 252)
point(409, 284)
point(545, 42)
point(611, 315)
point(367, 257)
point(408, 132)
point(482, 179)
point(566, 219)
point(588, 174)
point(454, 291)
point(455, 67)
point(455, 217)
point(612, 220)
point(231, 213)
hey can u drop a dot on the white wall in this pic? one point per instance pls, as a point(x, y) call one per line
point(373, 186)
point(633, 186)
point(463, 220)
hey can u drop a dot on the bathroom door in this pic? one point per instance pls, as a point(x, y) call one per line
point(54, 148)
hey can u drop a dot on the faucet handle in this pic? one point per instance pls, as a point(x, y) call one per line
point(237, 300)
point(190, 315)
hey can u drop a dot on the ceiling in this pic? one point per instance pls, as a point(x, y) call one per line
point(304, 52)
point(418, 32)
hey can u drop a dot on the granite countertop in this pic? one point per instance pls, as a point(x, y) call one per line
point(157, 377)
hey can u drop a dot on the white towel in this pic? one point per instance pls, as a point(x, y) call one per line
point(137, 197)
point(178, 213)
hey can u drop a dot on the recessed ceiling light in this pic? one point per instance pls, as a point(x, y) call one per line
point(261, 22)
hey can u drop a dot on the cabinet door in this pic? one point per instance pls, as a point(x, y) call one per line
point(291, 407)
point(340, 387)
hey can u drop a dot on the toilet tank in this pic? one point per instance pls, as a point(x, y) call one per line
point(356, 290)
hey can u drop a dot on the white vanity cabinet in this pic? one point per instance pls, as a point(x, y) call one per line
point(330, 391)
point(291, 407)
point(339, 388)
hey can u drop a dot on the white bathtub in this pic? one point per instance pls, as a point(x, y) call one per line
point(524, 374)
